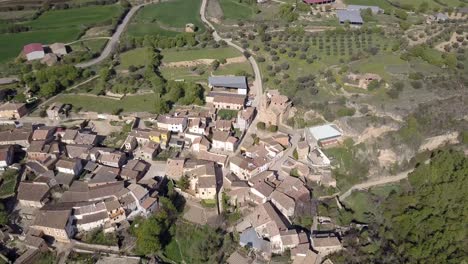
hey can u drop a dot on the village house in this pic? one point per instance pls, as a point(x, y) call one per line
point(149, 205)
point(108, 157)
point(45, 153)
point(172, 123)
point(219, 159)
point(78, 151)
point(149, 151)
point(323, 136)
point(7, 154)
point(198, 126)
point(20, 137)
point(261, 192)
point(139, 192)
point(137, 137)
point(223, 125)
point(227, 101)
point(33, 194)
point(115, 211)
point(223, 141)
point(12, 110)
point(245, 167)
point(73, 136)
point(56, 224)
point(33, 51)
point(228, 83)
point(44, 133)
point(201, 144)
point(175, 168)
point(59, 49)
point(134, 170)
point(285, 204)
point(326, 244)
point(245, 118)
point(159, 136)
point(274, 108)
point(91, 216)
point(203, 180)
point(69, 166)
point(269, 225)
point(57, 111)
point(50, 59)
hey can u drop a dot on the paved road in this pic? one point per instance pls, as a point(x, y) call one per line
point(371, 183)
point(112, 43)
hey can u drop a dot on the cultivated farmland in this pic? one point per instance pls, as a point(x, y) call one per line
point(57, 26)
point(161, 18)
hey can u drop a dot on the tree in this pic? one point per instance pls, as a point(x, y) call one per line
point(3, 215)
point(215, 65)
point(295, 154)
point(273, 128)
point(287, 13)
point(261, 125)
point(184, 182)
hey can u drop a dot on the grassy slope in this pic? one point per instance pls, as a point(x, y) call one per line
point(164, 13)
point(77, 17)
point(233, 10)
point(185, 55)
point(138, 103)
point(55, 26)
point(385, 5)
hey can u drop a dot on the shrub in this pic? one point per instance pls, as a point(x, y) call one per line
point(261, 125)
point(416, 84)
point(273, 128)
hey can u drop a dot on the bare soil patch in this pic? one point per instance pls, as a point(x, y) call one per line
point(202, 62)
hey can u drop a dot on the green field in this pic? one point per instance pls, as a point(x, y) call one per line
point(77, 17)
point(139, 56)
point(56, 26)
point(137, 103)
point(166, 18)
point(415, 3)
point(135, 57)
point(172, 73)
point(93, 45)
point(173, 55)
point(233, 10)
point(20, 14)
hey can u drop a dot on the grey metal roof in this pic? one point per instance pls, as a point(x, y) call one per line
point(375, 9)
point(250, 237)
point(353, 16)
point(324, 132)
point(239, 82)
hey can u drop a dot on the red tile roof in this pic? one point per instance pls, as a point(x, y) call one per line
point(32, 47)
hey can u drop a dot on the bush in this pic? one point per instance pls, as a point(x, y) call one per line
point(273, 128)
point(416, 84)
point(261, 125)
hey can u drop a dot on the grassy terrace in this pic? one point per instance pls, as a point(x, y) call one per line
point(415, 3)
point(233, 10)
point(56, 26)
point(187, 55)
point(161, 19)
point(137, 103)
